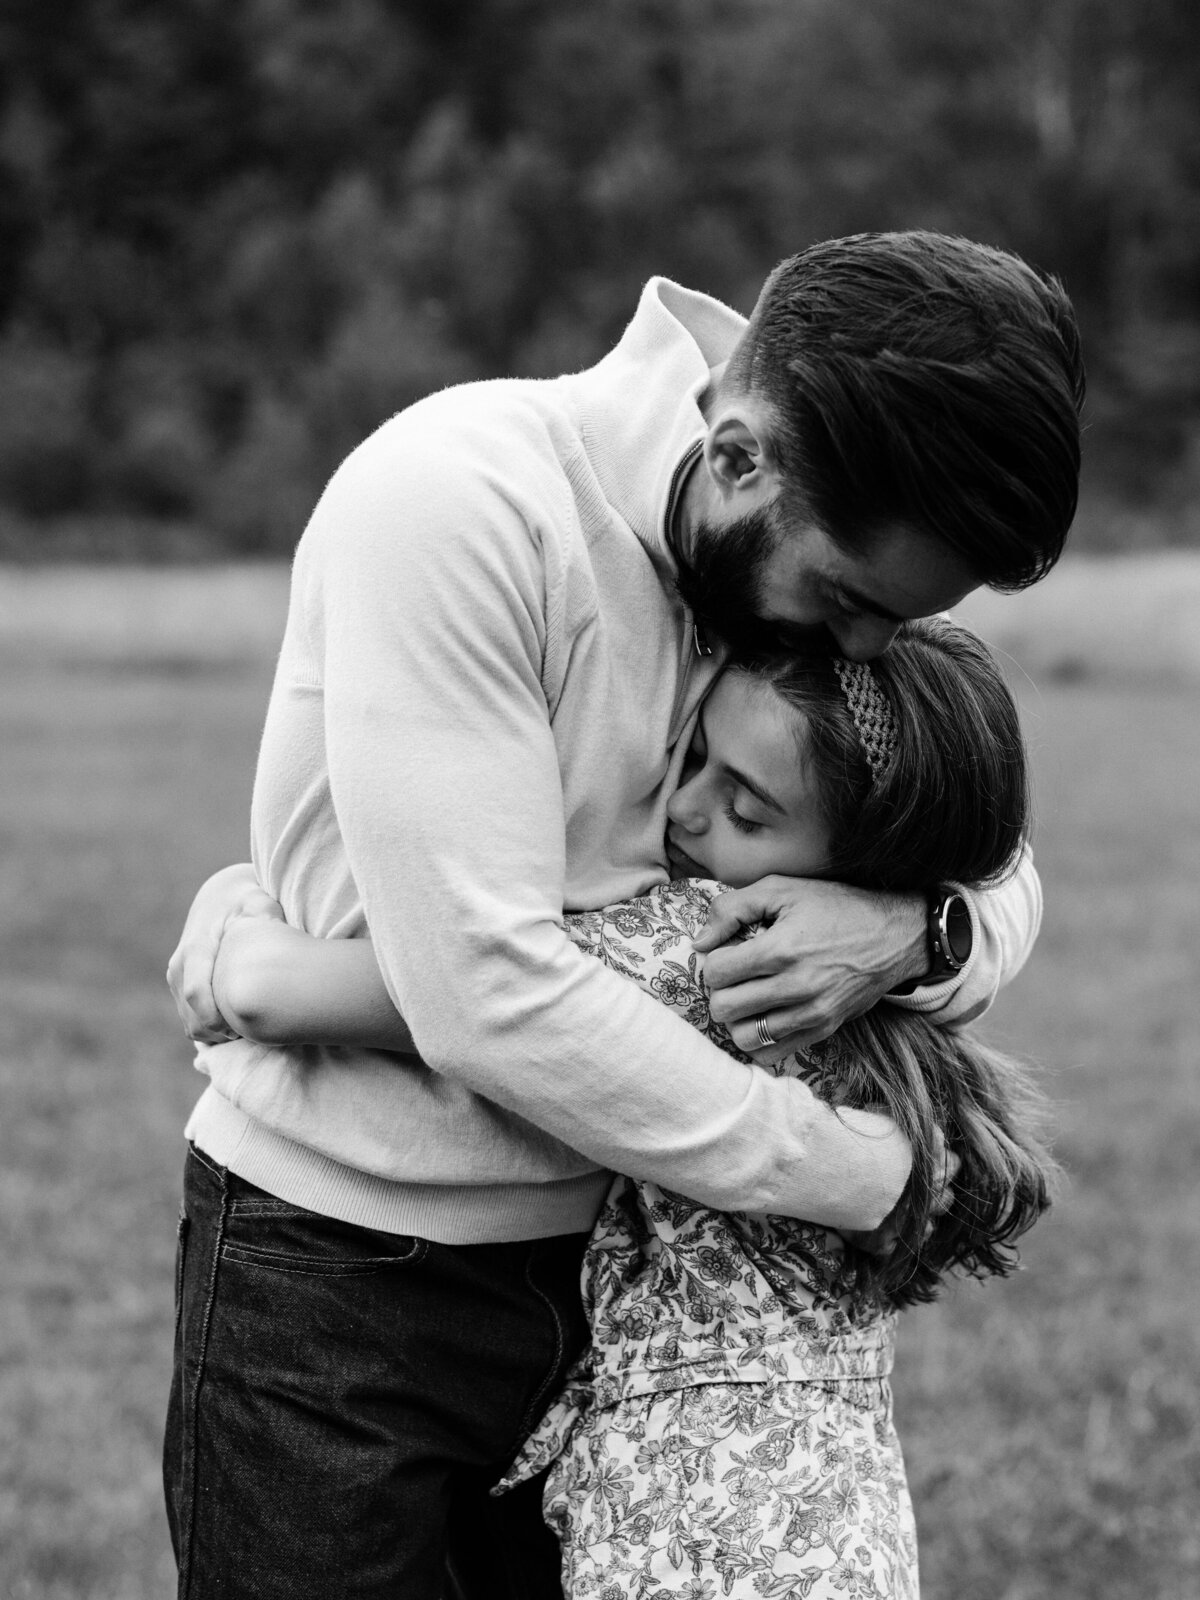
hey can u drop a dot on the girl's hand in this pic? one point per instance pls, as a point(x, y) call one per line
point(231, 893)
point(240, 972)
point(261, 976)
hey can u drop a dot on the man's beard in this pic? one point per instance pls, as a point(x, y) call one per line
point(720, 580)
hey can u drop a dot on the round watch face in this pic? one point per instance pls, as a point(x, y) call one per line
point(956, 923)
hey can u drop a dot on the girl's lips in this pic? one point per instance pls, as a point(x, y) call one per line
point(682, 865)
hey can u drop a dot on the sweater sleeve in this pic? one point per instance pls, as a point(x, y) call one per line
point(427, 586)
point(1005, 922)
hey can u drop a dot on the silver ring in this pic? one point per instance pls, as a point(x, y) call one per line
point(764, 1033)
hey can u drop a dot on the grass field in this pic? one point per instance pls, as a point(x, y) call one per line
point(1051, 1422)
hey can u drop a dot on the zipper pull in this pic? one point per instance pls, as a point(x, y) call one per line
point(703, 648)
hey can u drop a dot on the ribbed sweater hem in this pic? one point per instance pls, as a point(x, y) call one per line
point(487, 1213)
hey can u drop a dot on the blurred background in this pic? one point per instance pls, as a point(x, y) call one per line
point(235, 235)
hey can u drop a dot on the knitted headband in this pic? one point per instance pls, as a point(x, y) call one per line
point(871, 712)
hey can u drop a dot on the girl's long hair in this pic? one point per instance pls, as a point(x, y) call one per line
point(952, 805)
point(939, 1083)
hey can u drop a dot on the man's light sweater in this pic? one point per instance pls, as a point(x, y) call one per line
point(485, 692)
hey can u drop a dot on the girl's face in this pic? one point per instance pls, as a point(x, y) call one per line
point(747, 805)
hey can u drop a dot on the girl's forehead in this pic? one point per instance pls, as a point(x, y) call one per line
point(751, 729)
point(740, 698)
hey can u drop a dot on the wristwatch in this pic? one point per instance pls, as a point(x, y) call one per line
point(949, 934)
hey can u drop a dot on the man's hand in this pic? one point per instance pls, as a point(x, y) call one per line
point(824, 952)
point(232, 892)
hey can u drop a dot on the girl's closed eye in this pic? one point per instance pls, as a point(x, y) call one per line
point(742, 824)
point(747, 806)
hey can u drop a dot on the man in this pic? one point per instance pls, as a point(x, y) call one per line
point(505, 612)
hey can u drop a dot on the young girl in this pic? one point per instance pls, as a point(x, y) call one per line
point(729, 1430)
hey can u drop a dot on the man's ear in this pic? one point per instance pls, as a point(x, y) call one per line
point(738, 451)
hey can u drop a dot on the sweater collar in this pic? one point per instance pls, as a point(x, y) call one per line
point(640, 406)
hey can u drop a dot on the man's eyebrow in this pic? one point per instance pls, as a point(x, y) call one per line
point(756, 789)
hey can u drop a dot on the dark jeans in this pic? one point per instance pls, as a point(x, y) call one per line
point(343, 1400)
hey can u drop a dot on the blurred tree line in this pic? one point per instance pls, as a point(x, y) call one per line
point(235, 235)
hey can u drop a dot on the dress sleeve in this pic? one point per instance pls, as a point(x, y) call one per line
point(649, 941)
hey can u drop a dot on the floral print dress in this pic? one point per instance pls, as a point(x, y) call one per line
point(729, 1430)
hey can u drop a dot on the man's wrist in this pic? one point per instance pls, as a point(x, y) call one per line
point(910, 918)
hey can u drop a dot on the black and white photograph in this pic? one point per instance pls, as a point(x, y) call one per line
point(600, 708)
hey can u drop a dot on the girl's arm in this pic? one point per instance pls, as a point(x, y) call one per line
point(239, 970)
point(276, 985)
point(279, 986)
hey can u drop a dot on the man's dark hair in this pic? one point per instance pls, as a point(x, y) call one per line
point(927, 381)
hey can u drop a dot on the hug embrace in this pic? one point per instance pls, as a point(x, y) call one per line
point(625, 806)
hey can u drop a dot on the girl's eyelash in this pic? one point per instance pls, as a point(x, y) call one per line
point(742, 824)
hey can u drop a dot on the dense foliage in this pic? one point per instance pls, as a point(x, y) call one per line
point(237, 234)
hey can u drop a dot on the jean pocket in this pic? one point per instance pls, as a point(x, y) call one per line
point(282, 1238)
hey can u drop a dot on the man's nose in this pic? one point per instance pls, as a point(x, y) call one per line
point(863, 638)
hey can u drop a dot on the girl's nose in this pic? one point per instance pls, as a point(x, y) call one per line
point(684, 808)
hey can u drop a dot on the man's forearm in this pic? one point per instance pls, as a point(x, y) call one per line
point(856, 1161)
point(445, 779)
